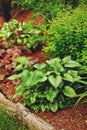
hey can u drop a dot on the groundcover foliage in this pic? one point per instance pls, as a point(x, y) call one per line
point(49, 86)
point(16, 33)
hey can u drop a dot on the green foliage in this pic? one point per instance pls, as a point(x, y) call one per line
point(50, 85)
point(21, 34)
point(67, 35)
point(7, 122)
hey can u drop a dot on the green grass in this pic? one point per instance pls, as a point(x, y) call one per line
point(7, 122)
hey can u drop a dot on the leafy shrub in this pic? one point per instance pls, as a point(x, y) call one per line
point(49, 86)
point(67, 34)
point(41, 7)
point(21, 34)
point(7, 122)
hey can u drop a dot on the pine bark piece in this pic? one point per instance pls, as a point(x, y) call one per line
point(24, 115)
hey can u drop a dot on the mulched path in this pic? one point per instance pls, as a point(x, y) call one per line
point(68, 119)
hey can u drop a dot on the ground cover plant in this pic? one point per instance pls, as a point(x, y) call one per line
point(7, 122)
point(53, 85)
point(16, 33)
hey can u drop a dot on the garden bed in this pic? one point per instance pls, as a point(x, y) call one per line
point(68, 119)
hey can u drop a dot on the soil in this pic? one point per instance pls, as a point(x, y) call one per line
point(68, 119)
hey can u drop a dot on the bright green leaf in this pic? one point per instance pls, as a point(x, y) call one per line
point(15, 76)
point(66, 59)
point(51, 95)
point(54, 107)
point(55, 81)
point(39, 66)
point(68, 77)
point(22, 60)
point(18, 68)
point(72, 64)
point(69, 92)
point(32, 99)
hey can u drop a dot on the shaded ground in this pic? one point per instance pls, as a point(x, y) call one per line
point(69, 119)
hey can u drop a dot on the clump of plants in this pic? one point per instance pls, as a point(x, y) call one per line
point(67, 34)
point(16, 33)
point(50, 86)
point(7, 122)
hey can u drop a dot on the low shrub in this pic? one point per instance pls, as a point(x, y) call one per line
point(67, 34)
point(50, 86)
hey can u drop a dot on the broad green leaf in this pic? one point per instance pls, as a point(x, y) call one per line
point(15, 76)
point(51, 95)
point(48, 73)
point(20, 89)
point(68, 77)
point(38, 76)
point(66, 59)
point(55, 64)
point(53, 61)
point(32, 99)
point(39, 66)
point(18, 68)
point(72, 64)
point(43, 108)
point(55, 81)
point(22, 60)
point(69, 92)
point(25, 75)
point(72, 76)
point(29, 79)
point(54, 107)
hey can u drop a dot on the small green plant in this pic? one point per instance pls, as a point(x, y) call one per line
point(7, 122)
point(17, 33)
point(49, 86)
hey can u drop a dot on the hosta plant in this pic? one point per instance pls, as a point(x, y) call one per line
point(49, 86)
point(16, 33)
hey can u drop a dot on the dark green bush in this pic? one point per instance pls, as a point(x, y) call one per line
point(67, 34)
point(50, 86)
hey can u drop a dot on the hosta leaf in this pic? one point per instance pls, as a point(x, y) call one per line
point(43, 108)
point(25, 75)
point(54, 107)
point(38, 76)
point(74, 75)
point(55, 64)
point(72, 64)
point(19, 89)
point(51, 95)
point(22, 60)
point(66, 59)
point(39, 66)
point(55, 81)
point(18, 68)
point(68, 77)
point(53, 61)
point(15, 76)
point(69, 92)
point(29, 79)
point(32, 99)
